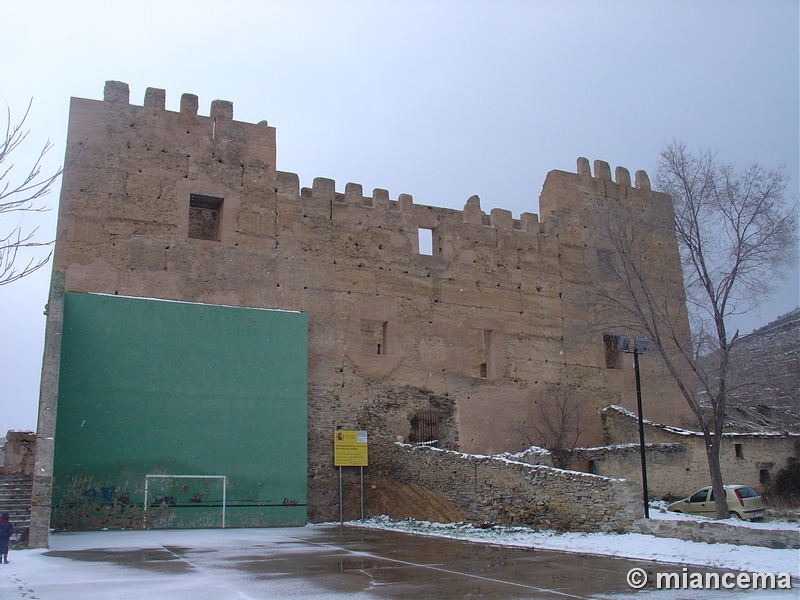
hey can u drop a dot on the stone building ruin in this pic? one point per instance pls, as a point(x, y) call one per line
point(458, 348)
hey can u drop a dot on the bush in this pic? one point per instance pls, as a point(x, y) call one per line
point(786, 484)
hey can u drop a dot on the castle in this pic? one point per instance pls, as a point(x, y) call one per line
point(210, 317)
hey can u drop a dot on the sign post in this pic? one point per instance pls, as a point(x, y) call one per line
point(350, 450)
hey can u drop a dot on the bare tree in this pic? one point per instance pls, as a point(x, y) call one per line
point(558, 425)
point(21, 196)
point(734, 229)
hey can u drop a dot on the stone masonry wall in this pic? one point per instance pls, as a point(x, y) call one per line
point(748, 459)
point(666, 465)
point(504, 492)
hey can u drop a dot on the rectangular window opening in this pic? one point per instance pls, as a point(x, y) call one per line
point(488, 349)
point(613, 355)
point(204, 217)
point(424, 429)
point(484, 360)
point(737, 448)
point(605, 263)
point(373, 337)
point(425, 241)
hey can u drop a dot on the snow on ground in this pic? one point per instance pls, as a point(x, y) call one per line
point(154, 538)
point(627, 545)
point(658, 510)
point(638, 546)
point(50, 575)
point(55, 577)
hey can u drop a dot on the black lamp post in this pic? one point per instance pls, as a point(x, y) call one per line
point(640, 344)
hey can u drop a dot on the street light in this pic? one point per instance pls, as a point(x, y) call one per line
point(640, 344)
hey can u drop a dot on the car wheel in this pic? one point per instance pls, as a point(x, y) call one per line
point(736, 516)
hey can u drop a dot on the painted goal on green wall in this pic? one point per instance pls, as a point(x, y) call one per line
point(165, 495)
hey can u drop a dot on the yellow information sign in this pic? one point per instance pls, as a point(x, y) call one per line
point(349, 448)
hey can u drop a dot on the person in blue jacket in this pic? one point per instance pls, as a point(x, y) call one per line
point(6, 529)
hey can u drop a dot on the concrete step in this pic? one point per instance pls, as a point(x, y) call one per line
point(15, 491)
point(10, 494)
point(15, 496)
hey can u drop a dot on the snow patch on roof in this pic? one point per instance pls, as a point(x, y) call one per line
point(687, 432)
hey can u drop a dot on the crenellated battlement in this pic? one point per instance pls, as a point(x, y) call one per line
point(324, 189)
point(118, 92)
point(622, 176)
point(171, 156)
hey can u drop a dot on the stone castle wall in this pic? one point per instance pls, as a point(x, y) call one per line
point(475, 336)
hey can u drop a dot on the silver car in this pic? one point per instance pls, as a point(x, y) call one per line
point(743, 502)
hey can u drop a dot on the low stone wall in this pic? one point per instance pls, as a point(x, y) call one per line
point(506, 492)
point(714, 532)
point(666, 465)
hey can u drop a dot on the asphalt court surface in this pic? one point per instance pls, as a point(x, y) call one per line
point(312, 562)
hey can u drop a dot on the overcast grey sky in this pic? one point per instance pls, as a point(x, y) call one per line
point(437, 99)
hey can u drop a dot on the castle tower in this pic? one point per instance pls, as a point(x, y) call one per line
point(459, 345)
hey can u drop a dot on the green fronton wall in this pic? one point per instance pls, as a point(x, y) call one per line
point(148, 387)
